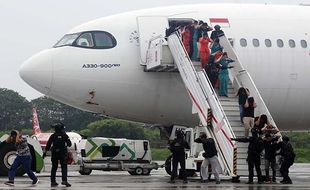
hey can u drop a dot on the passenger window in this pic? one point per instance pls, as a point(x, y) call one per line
point(255, 42)
point(243, 42)
point(104, 40)
point(268, 43)
point(85, 40)
point(291, 43)
point(280, 43)
point(303, 43)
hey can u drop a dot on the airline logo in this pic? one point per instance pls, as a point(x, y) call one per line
point(35, 122)
point(223, 22)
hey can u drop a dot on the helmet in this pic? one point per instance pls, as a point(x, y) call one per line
point(217, 27)
point(179, 133)
point(58, 126)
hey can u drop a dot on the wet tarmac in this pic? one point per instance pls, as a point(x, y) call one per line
point(300, 174)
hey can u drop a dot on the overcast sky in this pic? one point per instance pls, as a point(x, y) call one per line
point(28, 26)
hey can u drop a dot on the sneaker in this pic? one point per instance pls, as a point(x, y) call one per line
point(54, 184)
point(34, 182)
point(185, 181)
point(218, 182)
point(10, 183)
point(204, 181)
point(66, 184)
point(249, 182)
point(260, 182)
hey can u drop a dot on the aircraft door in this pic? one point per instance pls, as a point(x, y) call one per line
point(150, 27)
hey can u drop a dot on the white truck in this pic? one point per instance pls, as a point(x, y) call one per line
point(107, 154)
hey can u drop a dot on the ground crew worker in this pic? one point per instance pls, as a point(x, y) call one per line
point(210, 156)
point(59, 142)
point(23, 157)
point(254, 151)
point(177, 147)
point(287, 159)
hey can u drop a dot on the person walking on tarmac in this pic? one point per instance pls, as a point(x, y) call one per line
point(177, 147)
point(210, 156)
point(23, 157)
point(287, 159)
point(59, 142)
point(254, 151)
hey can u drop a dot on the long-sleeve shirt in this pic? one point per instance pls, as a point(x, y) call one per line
point(208, 146)
point(178, 146)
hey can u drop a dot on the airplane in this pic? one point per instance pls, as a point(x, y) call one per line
point(98, 66)
point(43, 137)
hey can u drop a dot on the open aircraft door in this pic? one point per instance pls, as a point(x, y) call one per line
point(150, 27)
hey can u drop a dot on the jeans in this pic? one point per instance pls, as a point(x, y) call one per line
point(26, 162)
point(241, 108)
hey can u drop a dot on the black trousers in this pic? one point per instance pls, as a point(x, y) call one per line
point(62, 158)
point(178, 158)
point(254, 162)
point(284, 169)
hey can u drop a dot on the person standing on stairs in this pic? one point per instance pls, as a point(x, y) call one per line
point(186, 39)
point(212, 70)
point(243, 95)
point(248, 117)
point(204, 50)
point(223, 74)
point(195, 41)
point(255, 149)
point(210, 156)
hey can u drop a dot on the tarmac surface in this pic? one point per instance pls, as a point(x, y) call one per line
point(300, 174)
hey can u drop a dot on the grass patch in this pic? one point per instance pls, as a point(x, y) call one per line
point(160, 153)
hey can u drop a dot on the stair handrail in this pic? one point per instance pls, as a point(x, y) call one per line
point(240, 77)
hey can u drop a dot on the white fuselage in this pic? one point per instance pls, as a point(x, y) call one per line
point(127, 92)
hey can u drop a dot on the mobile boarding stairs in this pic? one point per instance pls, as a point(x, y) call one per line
point(219, 116)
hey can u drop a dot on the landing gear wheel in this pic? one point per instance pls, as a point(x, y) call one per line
point(146, 171)
point(138, 171)
point(168, 165)
point(7, 157)
point(85, 171)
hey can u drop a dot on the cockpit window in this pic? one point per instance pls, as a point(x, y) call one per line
point(104, 40)
point(85, 40)
point(68, 39)
point(89, 39)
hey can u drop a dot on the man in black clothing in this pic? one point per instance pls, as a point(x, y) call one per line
point(271, 148)
point(288, 157)
point(59, 142)
point(177, 147)
point(210, 156)
point(217, 32)
point(254, 151)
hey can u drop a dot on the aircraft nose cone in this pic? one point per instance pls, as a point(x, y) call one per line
point(37, 72)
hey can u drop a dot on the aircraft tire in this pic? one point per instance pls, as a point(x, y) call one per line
point(7, 154)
